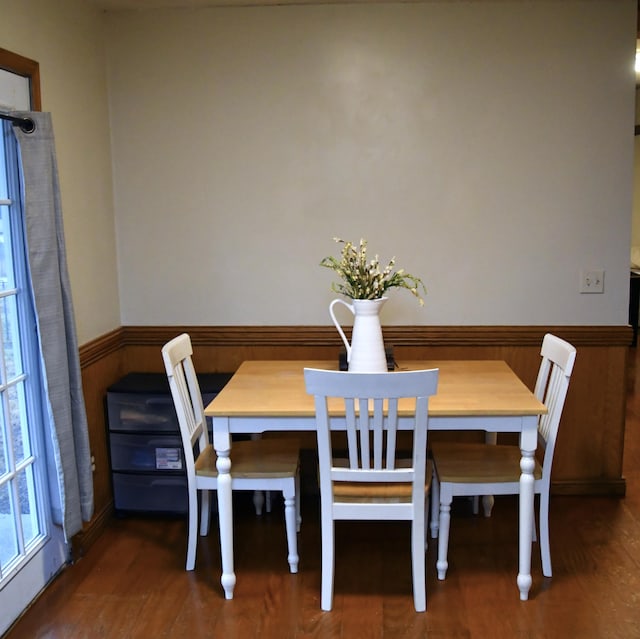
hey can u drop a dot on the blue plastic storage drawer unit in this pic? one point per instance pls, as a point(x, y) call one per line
point(147, 463)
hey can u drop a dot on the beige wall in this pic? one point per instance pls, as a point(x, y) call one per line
point(488, 145)
point(66, 38)
point(485, 144)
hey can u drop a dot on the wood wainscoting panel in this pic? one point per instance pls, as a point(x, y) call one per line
point(590, 446)
point(101, 365)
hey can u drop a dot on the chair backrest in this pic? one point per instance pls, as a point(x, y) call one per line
point(552, 384)
point(187, 399)
point(367, 407)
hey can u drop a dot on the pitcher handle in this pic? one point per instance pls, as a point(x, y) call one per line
point(337, 324)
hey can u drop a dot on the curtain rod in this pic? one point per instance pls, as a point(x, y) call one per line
point(26, 124)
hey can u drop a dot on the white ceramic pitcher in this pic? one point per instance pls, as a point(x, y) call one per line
point(366, 353)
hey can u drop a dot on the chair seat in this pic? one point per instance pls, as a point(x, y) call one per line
point(478, 463)
point(254, 459)
point(375, 493)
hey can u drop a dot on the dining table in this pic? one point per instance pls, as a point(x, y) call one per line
point(481, 395)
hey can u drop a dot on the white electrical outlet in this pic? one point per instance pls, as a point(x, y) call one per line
point(591, 281)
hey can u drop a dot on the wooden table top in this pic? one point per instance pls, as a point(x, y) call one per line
point(465, 388)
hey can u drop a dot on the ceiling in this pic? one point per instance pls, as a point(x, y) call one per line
point(156, 4)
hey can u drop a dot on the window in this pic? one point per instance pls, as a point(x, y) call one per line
point(32, 547)
point(22, 525)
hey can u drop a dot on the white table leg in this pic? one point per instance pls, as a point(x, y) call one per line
point(222, 444)
point(528, 443)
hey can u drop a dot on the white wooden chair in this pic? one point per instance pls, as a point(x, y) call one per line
point(487, 469)
point(257, 465)
point(374, 483)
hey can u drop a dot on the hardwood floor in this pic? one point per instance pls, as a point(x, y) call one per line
point(132, 582)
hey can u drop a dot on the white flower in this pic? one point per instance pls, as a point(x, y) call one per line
point(363, 280)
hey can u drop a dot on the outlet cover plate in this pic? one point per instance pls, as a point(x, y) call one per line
point(591, 281)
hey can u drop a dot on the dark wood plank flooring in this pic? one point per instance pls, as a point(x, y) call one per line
point(132, 582)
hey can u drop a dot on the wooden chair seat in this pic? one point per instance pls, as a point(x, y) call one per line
point(479, 463)
point(254, 459)
point(357, 491)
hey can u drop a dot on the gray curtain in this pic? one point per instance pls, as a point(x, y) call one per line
point(70, 457)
